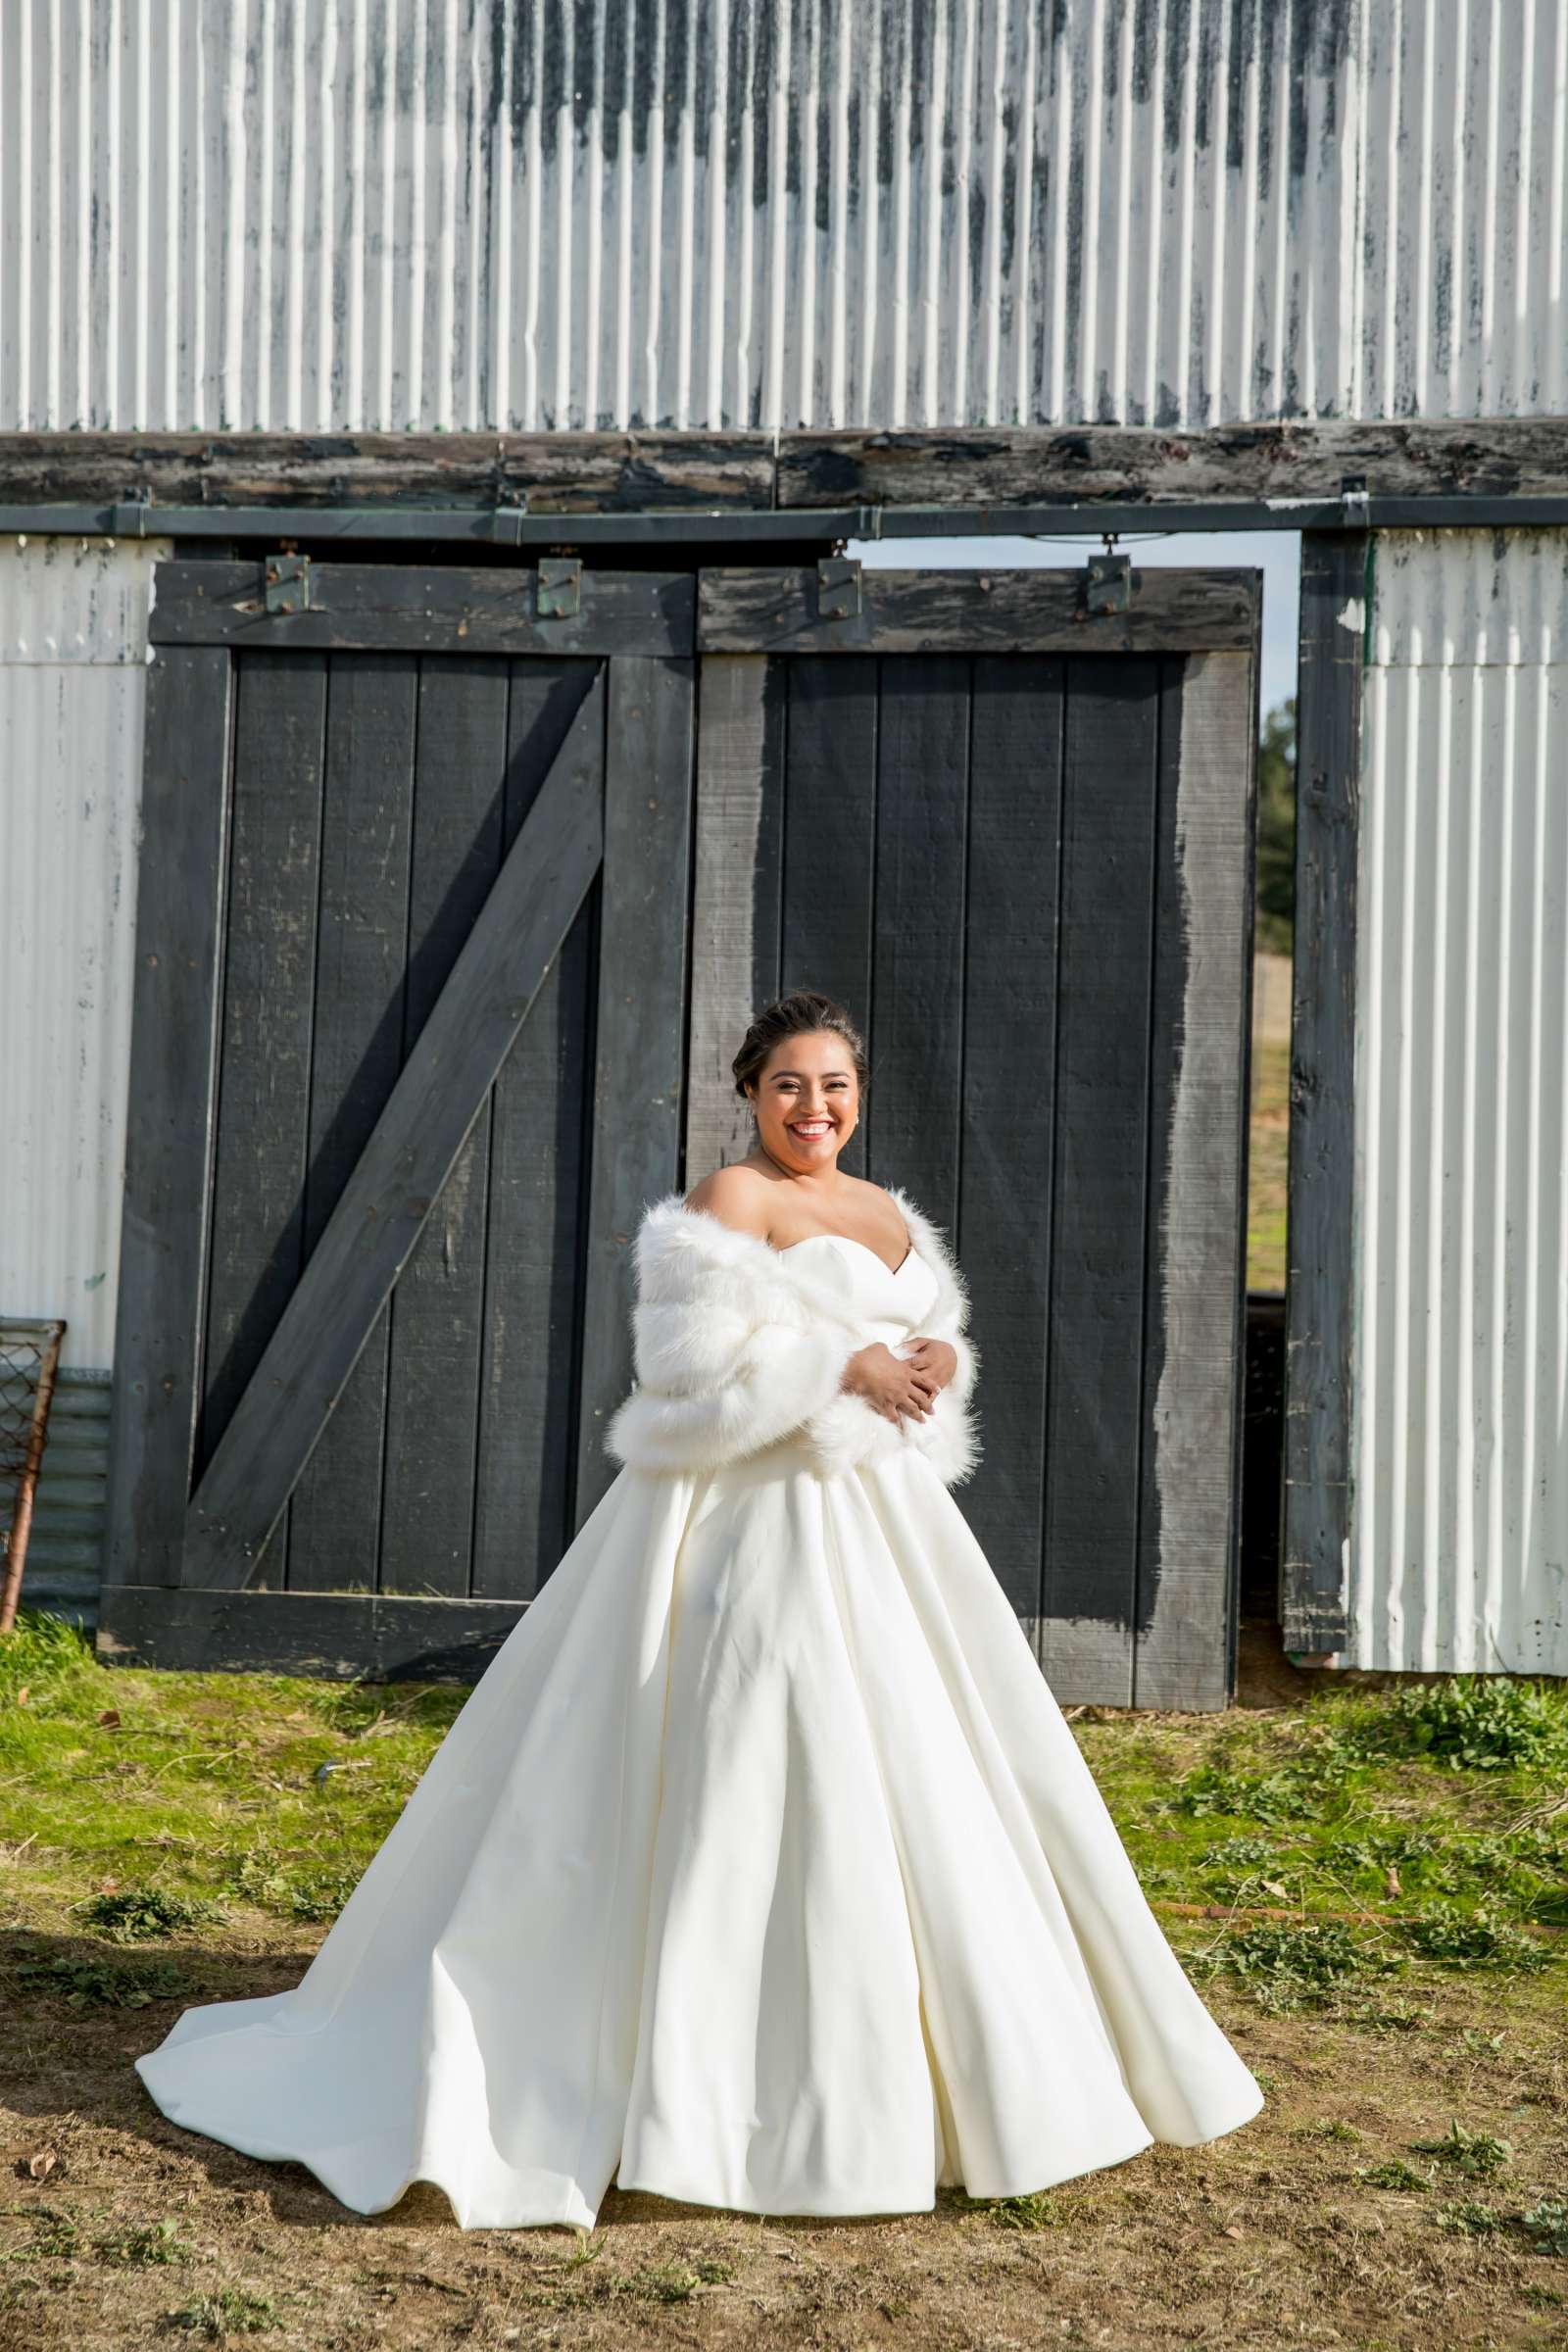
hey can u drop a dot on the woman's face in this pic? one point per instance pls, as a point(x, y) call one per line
point(808, 1100)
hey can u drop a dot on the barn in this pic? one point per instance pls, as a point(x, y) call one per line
point(445, 686)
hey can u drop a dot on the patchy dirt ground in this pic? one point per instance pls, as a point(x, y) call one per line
point(1371, 1888)
point(138, 2233)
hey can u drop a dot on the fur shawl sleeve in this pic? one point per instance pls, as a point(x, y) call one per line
point(737, 1344)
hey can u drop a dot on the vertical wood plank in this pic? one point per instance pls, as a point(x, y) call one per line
point(922, 812)
point(768, 876)
point(185, 825)
point(1009, 1100)
point(639, 1053)
point(259, 1162)
point(1174, 950)
point(334, 1528)
point(1195, 1328)
point(735, 892)
point(538, 1160)
point(433, 1387)
point(831, 840)
point(1319, 1283)
point(1099, 1178)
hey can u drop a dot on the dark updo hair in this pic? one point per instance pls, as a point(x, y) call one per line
point(800, 1013)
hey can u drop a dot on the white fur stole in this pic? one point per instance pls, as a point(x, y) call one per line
point(737, 1344)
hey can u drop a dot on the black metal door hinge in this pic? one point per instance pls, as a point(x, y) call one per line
point(1107, 585)
point(837, 588)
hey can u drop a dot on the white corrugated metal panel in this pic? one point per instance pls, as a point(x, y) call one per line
point(302, 215)
point(1459, 1544)
point(73, 678)
point(76, 600)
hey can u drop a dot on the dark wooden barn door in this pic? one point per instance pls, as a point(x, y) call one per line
point(408, 1041)
point(1026, 865)
point(441, 965)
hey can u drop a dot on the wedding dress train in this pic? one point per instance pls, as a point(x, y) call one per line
point(760, 1870)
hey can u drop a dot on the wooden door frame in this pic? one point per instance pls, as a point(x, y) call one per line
point(1316, 1503)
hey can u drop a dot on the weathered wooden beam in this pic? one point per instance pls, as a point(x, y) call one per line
point(543, 472)
point(774, 611)
point(1041, 465)
point(344, 1636)
point(403, 609)
point(1320, 1290)
point(1312, 461)
point(1194, 1340)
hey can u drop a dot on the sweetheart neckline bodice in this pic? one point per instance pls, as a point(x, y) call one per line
point(892, 1272)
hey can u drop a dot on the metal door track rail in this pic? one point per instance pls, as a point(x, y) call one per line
point(515, 527)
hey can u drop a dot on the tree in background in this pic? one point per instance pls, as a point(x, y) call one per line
point(1276, 830)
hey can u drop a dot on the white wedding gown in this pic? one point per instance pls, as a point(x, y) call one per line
point(760, 1870)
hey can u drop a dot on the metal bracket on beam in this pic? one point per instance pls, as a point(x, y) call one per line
point(837, 588)
point(1107, 585)
point(507, 523)
point(1354, 501)
point(286, 583)
point(128, 519)
point(557, 595)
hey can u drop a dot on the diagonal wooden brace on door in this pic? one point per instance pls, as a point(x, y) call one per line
point(383, 1208)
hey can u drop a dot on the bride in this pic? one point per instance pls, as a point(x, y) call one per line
point(760, 1869)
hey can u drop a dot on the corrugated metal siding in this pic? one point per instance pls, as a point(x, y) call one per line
point(72, 676)
point(1459, 1544)
point(304, 215)
point(64, 1550)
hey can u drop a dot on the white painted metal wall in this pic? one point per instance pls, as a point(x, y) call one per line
point(302, 215)
point(1459, 1544)
point(73, 678)
point(73, 684)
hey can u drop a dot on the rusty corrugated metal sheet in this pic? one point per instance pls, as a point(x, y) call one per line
point(1459, 1544)
point(308, 214)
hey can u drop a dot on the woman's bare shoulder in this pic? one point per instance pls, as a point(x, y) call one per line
point(866, 1192)
point(877, 1203)
point(736, 1196)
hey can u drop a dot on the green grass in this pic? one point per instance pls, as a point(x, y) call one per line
point(1476, 2154)
point(1268, 1166)
point(142, 2245)
point(146, 1914)
point(1440, 1808)
point(199, 1793)
point(1397, 1834)
point(1364, 1879)
point(231, 2311)
point(1546, 2225)
point(1037, 2211)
